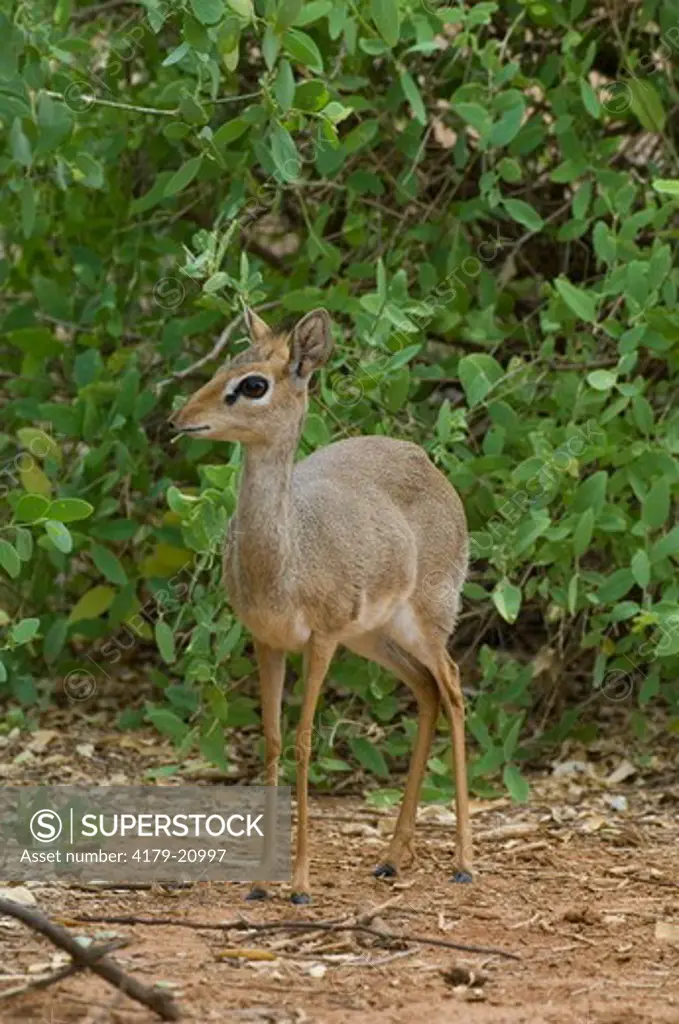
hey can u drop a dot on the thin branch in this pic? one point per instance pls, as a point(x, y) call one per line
point(89, 98)
point(215, 351)
point(155, 998)
point(324, 926)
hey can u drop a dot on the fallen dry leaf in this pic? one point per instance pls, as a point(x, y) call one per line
point(624, 770)
point(246, 954)
point(667, 931)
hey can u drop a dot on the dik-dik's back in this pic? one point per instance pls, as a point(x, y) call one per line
point(379, 523)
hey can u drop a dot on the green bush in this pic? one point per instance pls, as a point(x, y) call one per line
point(483, 197)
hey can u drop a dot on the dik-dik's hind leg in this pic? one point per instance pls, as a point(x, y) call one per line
point(389, 655)
point(428, 646)
point(448, 677)
point(271, 678)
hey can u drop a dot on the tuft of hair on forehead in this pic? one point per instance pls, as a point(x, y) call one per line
point(274, 350)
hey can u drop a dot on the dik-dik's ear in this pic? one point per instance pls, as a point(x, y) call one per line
point(311, 344)
point(258, 330)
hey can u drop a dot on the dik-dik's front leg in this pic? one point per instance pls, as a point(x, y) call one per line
point(271, 677)
point(317, 658)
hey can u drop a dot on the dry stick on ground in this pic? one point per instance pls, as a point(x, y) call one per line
point(271, 926)
point(156, 999)
point(94, 952)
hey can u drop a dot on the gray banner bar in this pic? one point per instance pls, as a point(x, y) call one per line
point(145, 833)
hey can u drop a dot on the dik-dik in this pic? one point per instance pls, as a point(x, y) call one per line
point(362, 545)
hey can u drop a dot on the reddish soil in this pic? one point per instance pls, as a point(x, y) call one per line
point(592, 909)
point(582, 884)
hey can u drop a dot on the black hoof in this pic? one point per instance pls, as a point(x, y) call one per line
point(462, 877)
point(257, 893)
point(300, 898)
point(385, 871)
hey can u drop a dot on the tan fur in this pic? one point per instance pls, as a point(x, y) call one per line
point(362, 544)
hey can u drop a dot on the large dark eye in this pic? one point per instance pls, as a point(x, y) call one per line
point(253, 387)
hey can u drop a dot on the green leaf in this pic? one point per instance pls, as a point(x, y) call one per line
point(108, 564)
point(314, 11)
point(39, 444)
point(92, 604)
point(524, 213)
point(19, 144)
point(412, 94)
point(60, 536)
point(30, 508)
point(478, 374)
point(517, 787)
point(284, 86)
point(646, 104)
point(88, 171)
point(656, 505)
point(511, 107)
point(213, 745)
point(475, 115)
point(582, 534)
point(165, 642)
point(590, 99)
point(167, 723)
point(229, 132)
point(183, 177)
point(509, 170)
point(39, 341)
point(54, 641)
point(23, 540)
point(641, 569)
point(316, 431)
point(68, 510)
point(24, 631)
point(667, 186)
point(9, 559)
point(303, 50)
point(174, 56)
point(578, 301)
point(592, 492)
point(216, 282)
point(507, 600)
point(28, 208)
point(369, 756)
point(642, 411)
point(288, 12)
point(284, 153)
point(615, 586)
point(602, 380)
point(271, 44)
point(243, 8)
point(208, 12)
point(666, 546)
point(387, 19)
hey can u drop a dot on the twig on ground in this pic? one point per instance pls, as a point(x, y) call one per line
point(46, 980)
point(154, 998)
point(307, 926)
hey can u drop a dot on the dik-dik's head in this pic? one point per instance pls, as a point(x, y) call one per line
point(261, 394)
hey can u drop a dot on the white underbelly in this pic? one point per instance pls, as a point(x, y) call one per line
point(393, 615)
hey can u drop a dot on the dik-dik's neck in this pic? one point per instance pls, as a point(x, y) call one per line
point(263, 531)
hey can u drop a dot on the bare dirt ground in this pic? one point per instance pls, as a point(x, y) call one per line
point(582, 884)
